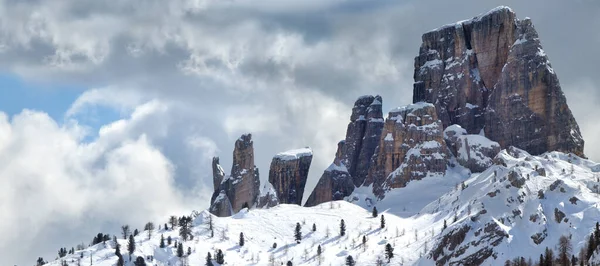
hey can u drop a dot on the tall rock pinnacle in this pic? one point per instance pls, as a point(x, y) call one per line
point(242, 186)
point(490, 73)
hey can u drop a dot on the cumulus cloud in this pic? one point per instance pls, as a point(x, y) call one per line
point(51, 182)
point(188, 76)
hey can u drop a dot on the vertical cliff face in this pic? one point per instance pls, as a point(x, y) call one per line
point(288, 174)
point(242, 186)
point(490, 73)
point(362, 135)
point(335, 183)
point(410, 148)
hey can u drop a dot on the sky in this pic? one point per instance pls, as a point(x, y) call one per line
point(110, 111)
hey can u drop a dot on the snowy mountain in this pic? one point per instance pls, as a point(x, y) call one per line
point(516, 208)
point(466, 175)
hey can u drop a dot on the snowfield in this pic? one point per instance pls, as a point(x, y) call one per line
point(517, 207)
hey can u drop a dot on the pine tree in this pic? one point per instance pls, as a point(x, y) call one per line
point(120, 261)
point(364, 243)
point(220, 257)
point(40, 261)
point(166, 227)
point(342, 228)
point(189, 251)
point(319, 256)
point(298, 233)
point(389, 252)
point(136, 232)
point(591, 246)
point(289, 263)
point(564, 250)
point(445, 226)
point(374, 212)
point(139, 261)
point(180, 250)
point(241, 239)
point(548, 257)
point(173, 221)
point(382, 221)
point(149, 227)
point(350, 261)
point(162, 241)
point(125, 231)
point(209, 260)
point(210, 226)
point(314, 228)
point(185, 227)
point(131, 246)
point(169, 240)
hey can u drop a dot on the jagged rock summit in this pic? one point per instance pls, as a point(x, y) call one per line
point(242, 186)
point(288, 174)
point(490, 73)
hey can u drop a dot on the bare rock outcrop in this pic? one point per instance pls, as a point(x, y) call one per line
point(240, 188)
point(288, 174)
point(410, 148)
point(268, 197)
point(475, 152)
point(362, 136)
point(490, 73)
point(335, 183)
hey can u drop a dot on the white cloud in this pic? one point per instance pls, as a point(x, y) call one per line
point(52, 182)
point(189, 76)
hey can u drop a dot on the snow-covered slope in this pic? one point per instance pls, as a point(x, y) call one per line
point(517, 207)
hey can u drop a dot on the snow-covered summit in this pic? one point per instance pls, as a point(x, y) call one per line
point(294, 154)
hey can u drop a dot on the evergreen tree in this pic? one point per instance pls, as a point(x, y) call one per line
point(166, 227)
point(241, 239)
point(564, 250)
point(180, 250)
point(289, 263)
point(185, 227)
point(210, 226)
point(342, 228)
point(382, 221)
point(374, 212)
point(40, 261)
point(319, 256)
point(169, 240)
point(120, 261)
point(548, 257)
point(591, 246)
point(314, 228)
point(189, 251)
point(389, 252)
point(542, 260)
point(139, 261)
point(131, 246)
point(136, 232)
point(350, 261)
point(209, 260)
point(125, 231)
point(298, 233)
point(162, 241)
point(445, 226)
point(149, 227)
point(220, 257)
point(62, 252)
point(173, 221)
point(364, 242)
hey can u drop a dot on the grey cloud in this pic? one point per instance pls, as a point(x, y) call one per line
point(293, 67)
